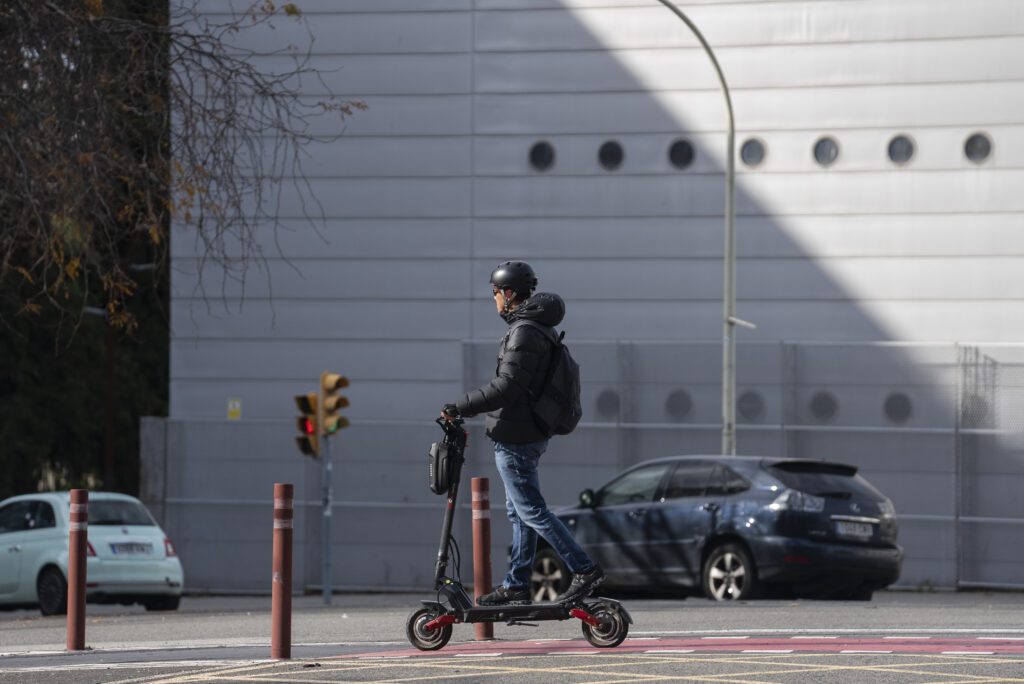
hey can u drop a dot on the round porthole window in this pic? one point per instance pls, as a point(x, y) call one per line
point(901, 149)
point(978, 147)
point(608, 404)
point(542, 156)
point(610, 155)
point(826, 151)
point(898, 407)
point(679, 404)
point(824, 406)
point(750, 406)
point(681, 154)
point(752, 153)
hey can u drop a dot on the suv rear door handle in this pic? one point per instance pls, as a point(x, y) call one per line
point(638, 513)
point(14, 549)
point(710, 507)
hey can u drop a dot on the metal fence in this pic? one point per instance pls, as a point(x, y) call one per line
point(937, 427)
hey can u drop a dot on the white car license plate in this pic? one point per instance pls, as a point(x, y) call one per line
point(854, 529)
point(128, 548)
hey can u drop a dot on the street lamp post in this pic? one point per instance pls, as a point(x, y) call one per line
point(729, 319)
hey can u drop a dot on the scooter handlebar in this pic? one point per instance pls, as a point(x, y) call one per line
point(453, 431)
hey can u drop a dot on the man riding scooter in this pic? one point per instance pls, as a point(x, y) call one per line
point(523, 359)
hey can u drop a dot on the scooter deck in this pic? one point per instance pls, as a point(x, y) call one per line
point(531, 611)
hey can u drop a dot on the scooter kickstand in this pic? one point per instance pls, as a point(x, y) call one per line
point(517, 623)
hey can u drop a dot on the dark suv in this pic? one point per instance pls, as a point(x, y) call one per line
point(735, 527)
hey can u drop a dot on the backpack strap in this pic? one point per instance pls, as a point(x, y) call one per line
point(555, 339)
point(549, 331)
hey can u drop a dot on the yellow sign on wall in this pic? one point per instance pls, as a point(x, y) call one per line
point(234, 409)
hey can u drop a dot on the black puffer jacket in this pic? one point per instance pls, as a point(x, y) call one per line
point(523, 359)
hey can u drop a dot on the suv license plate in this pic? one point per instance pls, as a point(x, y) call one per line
point(127, 548)
point(854, 529)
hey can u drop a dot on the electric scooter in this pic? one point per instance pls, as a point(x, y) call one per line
point(429, 628)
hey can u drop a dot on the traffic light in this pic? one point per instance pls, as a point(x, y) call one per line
point(331, 402)
point(309, 434)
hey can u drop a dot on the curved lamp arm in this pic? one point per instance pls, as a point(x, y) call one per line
point(729, 287)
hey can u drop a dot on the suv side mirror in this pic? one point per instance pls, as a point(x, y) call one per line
point(587, 498)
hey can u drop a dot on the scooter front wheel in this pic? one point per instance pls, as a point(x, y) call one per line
point(613, 628)
point(423, 638)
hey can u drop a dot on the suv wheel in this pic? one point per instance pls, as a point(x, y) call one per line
point(729, 574)
point(550, 576)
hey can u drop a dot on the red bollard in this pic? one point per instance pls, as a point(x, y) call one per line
point(482, 548)
point(281, 586)
point(78, 541)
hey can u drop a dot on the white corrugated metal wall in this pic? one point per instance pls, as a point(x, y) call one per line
point(432, 186)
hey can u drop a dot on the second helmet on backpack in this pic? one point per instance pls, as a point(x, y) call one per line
point(516, 276)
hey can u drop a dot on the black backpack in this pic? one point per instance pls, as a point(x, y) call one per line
point(556, 408)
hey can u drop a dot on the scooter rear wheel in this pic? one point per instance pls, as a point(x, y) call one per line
point(614, 625)
point(423, 638)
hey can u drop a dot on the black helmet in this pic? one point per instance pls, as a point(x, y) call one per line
point(516, 276)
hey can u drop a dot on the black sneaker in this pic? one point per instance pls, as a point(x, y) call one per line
point(583, 583)
point(505, 596)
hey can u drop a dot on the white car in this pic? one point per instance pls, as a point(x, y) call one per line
point(130, 559)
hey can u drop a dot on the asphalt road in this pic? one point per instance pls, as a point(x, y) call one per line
point(898, 637)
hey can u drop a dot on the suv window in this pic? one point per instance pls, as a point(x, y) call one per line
point(115, 512)
point(727, 481)
point(689, 479)
point(633, 487)
point(824, 479)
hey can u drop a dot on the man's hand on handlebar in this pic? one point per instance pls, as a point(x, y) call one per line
point(450, 412)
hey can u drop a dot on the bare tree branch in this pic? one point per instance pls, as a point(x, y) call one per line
point(117, 116)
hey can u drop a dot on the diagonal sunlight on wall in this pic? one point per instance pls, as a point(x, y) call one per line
point(844, 76)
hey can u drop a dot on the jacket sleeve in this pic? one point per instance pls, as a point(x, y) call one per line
point(523, 352)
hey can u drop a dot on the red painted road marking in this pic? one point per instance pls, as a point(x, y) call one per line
point(751, 644)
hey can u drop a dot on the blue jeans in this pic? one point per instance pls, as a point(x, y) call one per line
point(529, 515)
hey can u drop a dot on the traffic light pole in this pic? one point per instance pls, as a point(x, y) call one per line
point(319, 420)
point(325, 456)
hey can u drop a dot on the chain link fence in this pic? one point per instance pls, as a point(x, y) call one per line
point(938, 427)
